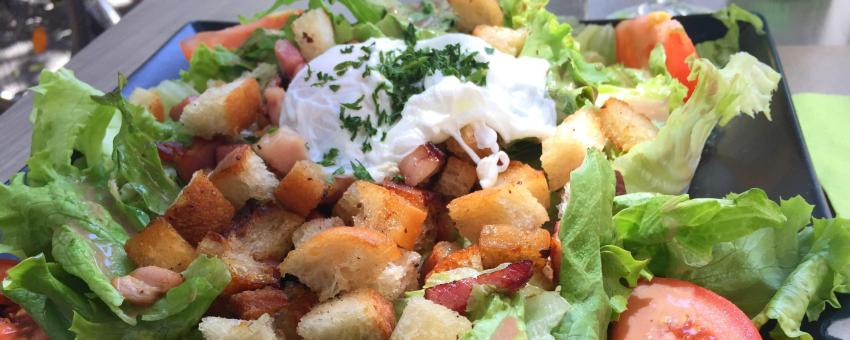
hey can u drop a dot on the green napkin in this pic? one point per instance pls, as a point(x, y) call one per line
point(825, 120)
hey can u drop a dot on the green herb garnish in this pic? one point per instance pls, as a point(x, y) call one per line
point(489, 50)
point(334, 87)
point(347, 50)
point(330, 157)
point(360, 171)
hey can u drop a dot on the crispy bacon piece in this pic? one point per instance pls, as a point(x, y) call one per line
point(200, 155)
point(421, 164)
point(556, 252)
point(281, 149)
point(177, 110)
point(223, 150)
point(620, 189)
point(274, 102)
point(289, 59)
point(455, 295)
point(145, 285)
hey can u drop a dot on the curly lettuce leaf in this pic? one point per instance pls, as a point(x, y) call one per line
point(667, 163)
point(208, 64)
point(719, 51)
point(488, 311)
point(598, 43)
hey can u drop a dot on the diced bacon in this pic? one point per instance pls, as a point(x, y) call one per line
point(455, 295)
point(200, 155)
point(620, 189)
point(289, 58)
point(281, 149)
point(167, 151)
point(223, 150)
point(421, 164)
point(145, 285)
point(274, 103)
point(177, 110)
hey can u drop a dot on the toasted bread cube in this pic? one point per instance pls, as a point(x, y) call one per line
point(623, 126)
point(399, 276)
point(564, 151)
point(341, 259)
point(370, 205)
point(160, 245)
point(507, 40)
point(242, 175)
point(251, 304)
point(532, 179)
point(266, 231)
point(303, 188)
point(467, 135)
point(440, 251)
point(314, 33)
point(216, 328)
point(437, 222)
point(200, 208)
point(246, 273)
point(313, 227)
point(469, 257)
point(457, 179)
point(224, 110)
point(505, 204)
point(423, 319)
point(149, 100)
point(471, 13)
point(363, 314)
point(504, 243)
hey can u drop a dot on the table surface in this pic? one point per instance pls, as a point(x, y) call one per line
point(123, 48)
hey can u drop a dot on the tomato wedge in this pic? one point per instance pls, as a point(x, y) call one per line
point(635, 39)
point(233, 37)
point(675, 309)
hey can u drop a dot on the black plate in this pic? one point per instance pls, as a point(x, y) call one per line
point(744, 154)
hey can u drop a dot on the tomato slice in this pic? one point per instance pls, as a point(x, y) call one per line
point(635, 39)
point(675, 309)
point(233, 37)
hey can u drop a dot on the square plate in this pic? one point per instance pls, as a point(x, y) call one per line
point(746, 153)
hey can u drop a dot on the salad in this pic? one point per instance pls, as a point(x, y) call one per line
point(461, 169)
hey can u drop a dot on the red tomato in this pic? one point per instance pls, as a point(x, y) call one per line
point(5, 264)
point(232, 37)
point(8, 330)
point(635, 39)
point(674, 309)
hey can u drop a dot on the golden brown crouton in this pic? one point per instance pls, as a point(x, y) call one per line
point(564, 151)
point(504, 39)
point(423, 319)
point(246, 273)
point(467, 134)
point(251, 304)
point(457, 179)
point(436, 224)
point(440, 251)
point(314, 33)
point(224, 110)
point(200, 208)
point(341, 259)
point(504, 243)
point(216, 328)
point(471, 13)
point(161, 246)
point(624, 127)
point(373, 206)
point(504, 204)
point(363, 314)
point(469, 257)
point(399, 276)
point(532, 179)
point(303, 188)
point(242, 175)
point(265, 230)
point(149, 100)
point(313, 227)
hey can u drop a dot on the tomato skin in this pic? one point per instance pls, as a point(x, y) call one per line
point(5, 265)
point(675, 309)
point(635, 39)
point(233, 37)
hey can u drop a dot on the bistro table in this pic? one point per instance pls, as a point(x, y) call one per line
point(124, 47)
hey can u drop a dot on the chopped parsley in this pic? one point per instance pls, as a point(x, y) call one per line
point(330, 157)
point(489, 50)
point(337, 172)
point(398, 178)
point(360, 171)
point(309, 73)
point(347, 50)
point(323, 79)
point(355, 105)
point(334, 87)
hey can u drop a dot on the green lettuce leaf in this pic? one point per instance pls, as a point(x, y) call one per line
point(655, 97)
point(208, 64)
point(172, 92)
point(598, 43)
point(518, 13)
point(719, 51)
point(667, 163)
point(274, 7)
point(488, 311)
point(543, 311)
point(619, 266)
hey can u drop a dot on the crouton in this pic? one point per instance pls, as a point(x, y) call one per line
point(363, 314)
point(314, 33)
point(370, 205)
point(504, 39)
point(266, 231)
point(505, 204)
point(469, 257)
point(467, 134)
point(225, 110)
point(341, 259)
point(504, 243)
point(564, 151)
point(313, 227)
point(149, 100)
point(532, 179)
point(200, 208)
point(216, 328)
point(423, 319)
point(437, 221)
point(303, 188)
point(246, 273)
point(624, 127)
point(440, 251)
point(399, 276)
point(457, 179)
point(243, 175)
point(251, 304)
point(160, 245)
point(471, 13)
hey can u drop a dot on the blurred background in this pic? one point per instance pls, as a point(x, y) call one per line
point(38, 34)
